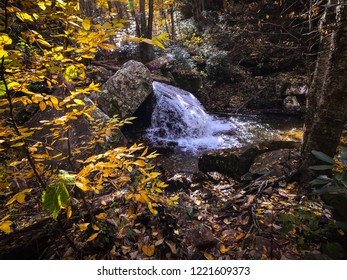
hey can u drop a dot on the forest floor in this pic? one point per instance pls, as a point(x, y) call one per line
point(218, 218)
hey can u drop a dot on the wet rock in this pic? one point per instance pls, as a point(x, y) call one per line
point(125, 91)
point(236, 162)
point(275, 163)
point(98, 74)
point(291, 104)
point(159, 63)
point(179, 181)
point(187, 79)
point(202, 237)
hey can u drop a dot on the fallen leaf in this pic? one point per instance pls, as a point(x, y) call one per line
point(6, 226)
point(92, 237)
point(148, 250)
point(208, 256)
point(172, 246)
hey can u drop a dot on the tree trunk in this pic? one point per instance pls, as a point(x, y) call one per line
point(197, 8)
point(143, 26)
point(327, 100)
point(173, 35)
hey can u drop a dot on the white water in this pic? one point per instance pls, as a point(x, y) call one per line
point(179, 118)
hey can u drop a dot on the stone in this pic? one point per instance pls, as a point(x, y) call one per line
point(236, 162)
point(125, 91)
point(276, 163)
point(291, 104)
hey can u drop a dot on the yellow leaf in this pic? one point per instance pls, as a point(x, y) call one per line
point(148, 250)
point(150, 207)
point(5, 39)
point(82, 186)
point(42, 105)
point(21, 197)
point(6, 226)
point(55, 102)
point(267, 16)
point(79, 101)
point(19, 144)
point(68, 212)
point(24, 16)
point(44, 43)
point(95, 227)
point(224, 249)
point(42, 5)
point(6, 217)
point(107, 47)
point(83, 226)
point(92, 237)
point(239, 235)
point(208, 256)
point(86, 24)
point(101, 216)
point(140, 162)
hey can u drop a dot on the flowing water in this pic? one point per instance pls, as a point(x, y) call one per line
point(181, 130)
point(180, 120)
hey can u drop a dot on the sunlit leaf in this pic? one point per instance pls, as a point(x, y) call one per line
point(5, 226)
point(93, 236)
point(208, 256)
point(24, 16)
point(42, 105)
point(101, 216)
point(83, 226)
point(86, 24)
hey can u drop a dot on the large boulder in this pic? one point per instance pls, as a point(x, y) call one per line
point(125, 91)
point(236, 162)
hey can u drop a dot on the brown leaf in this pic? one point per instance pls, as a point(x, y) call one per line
point(172, 246)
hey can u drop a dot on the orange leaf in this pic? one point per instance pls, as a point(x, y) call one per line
point(92, 237)
point(208, 256)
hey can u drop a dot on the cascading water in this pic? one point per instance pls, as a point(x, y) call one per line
point(178, 117)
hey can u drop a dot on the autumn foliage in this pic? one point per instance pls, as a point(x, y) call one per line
point(44, 49)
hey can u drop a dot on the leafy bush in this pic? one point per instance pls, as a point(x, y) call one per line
point(337, 183)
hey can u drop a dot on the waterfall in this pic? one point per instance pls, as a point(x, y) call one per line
point(178, 117)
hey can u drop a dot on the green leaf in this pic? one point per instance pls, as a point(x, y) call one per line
point(321, 180)
point(66, 178)
point(331, 190)
point(55, 198)
point(63, 195)
point(321, 167)
point(323, 157)
point(50, 201)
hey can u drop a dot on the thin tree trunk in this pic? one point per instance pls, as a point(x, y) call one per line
point(173, 33)
point(143, 27)
point(327, 100)
point(150, 19)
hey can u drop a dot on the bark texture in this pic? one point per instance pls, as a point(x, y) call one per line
point(327, 98)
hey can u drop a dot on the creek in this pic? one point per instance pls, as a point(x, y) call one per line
point(181, 129)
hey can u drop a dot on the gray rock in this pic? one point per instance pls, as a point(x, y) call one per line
point(236, 162)
point(125, 91)
point(291, 104)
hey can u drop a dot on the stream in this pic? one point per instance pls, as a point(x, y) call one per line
point(181, 129)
